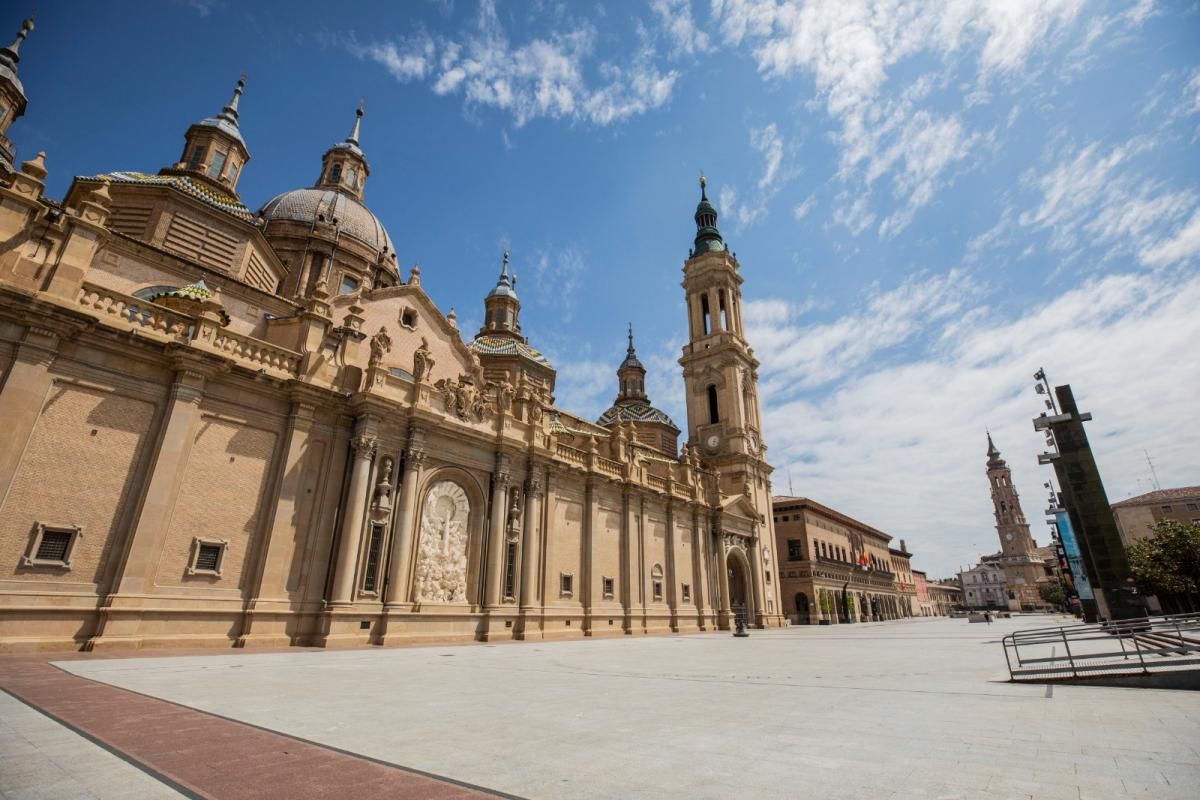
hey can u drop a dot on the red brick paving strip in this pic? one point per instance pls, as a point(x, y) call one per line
point(206, 755)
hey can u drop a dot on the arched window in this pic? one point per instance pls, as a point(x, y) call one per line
point(724, 310)
point(656, 581)
point(335, 173)
point(705, 315)
point(714, 415)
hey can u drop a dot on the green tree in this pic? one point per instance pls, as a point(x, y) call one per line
point(1053, 593)
point(1169, 561)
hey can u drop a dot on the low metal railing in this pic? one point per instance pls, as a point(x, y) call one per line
point(1133, 646)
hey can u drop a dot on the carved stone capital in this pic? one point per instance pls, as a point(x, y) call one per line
point(534, 487)
point(415, 457)
point(364, 446)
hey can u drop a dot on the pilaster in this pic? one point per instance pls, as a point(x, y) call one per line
point(22, 397)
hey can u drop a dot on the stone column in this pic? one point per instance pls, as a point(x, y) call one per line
point(629, 557)
point(171, 454)
point(364, 444)
point(672, 594)
point(754, 554)
point(496, 537)
point(22, 397)
point(722, 564)
point(589, 544)
point(398, 582)
point(698, 571)
point(531, 539)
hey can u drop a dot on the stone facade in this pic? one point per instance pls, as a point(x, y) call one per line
point(1138, 515)
point(220, 427)
point(946, 596)
point(834, 569)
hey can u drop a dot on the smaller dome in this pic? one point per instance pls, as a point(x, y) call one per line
point(635, 412)
point(308, 205)
point(491, 345)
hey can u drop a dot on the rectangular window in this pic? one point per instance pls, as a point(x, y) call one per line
point(686, 593)
point(795, 550)
point(510, 571)
point(566, 584)
point(768, 574)
point(607, 584)
point(54, 546)
point(196, 157)
point(51, 546)
point(658, 590)
point(1166, 509)
point(207, 556)
point(374, 545)
point(1191, 506)
point(218, 164)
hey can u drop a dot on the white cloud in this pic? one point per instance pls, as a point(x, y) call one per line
point(557, 278)
point(676, 18)
point(1098, 196)
point(899, 442)
point(798, 357)
point(804, 209)
point(771, 147)
point(543, 77)
point(850, 48)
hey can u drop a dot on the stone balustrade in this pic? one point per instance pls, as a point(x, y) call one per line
point(136, 314)
point(255, 353)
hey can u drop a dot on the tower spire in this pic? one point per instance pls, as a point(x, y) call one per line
point(708, 238)
point(230, 112)
point(358, 115)
point(630, 351)
point(13, 51)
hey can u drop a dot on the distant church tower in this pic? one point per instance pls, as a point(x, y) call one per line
point(1021, 564)
point(720, 375)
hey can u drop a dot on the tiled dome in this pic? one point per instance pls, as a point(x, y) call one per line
point(635, 412)
point(308, 205)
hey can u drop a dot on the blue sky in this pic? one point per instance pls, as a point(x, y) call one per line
point(929, 200)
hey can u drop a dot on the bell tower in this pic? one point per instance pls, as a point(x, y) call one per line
point(1015, 539)
point(720, 371)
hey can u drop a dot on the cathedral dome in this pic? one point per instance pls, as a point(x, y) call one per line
point(635, 412)
point(310, 206)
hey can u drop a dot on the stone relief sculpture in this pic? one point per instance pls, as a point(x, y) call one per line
point(381, 345)
point(462, 398)
point(441, 575)
point(422, 361)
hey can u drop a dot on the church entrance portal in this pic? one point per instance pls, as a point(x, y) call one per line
point(740, 596)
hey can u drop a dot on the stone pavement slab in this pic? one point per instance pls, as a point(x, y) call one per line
point(196, 754)
point(41, 759)
point(907, 709)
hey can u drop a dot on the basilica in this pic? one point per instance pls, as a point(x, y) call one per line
point(228, 426)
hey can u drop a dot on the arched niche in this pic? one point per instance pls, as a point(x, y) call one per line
point(447, 548)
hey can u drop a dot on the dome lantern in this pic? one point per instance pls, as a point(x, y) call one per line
point(214, 150)
point(502, 307)
point(708, 238)
point(344, 166)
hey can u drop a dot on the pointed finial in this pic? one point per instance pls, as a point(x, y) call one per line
point(703, 186)
point(230, 111)
point(504, 268)
point(15, 48)
point(631, 338)
point(358, 115)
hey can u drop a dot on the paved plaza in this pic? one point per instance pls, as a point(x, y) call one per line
point(910, 709)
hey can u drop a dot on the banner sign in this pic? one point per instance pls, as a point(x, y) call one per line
point(1074, 557)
